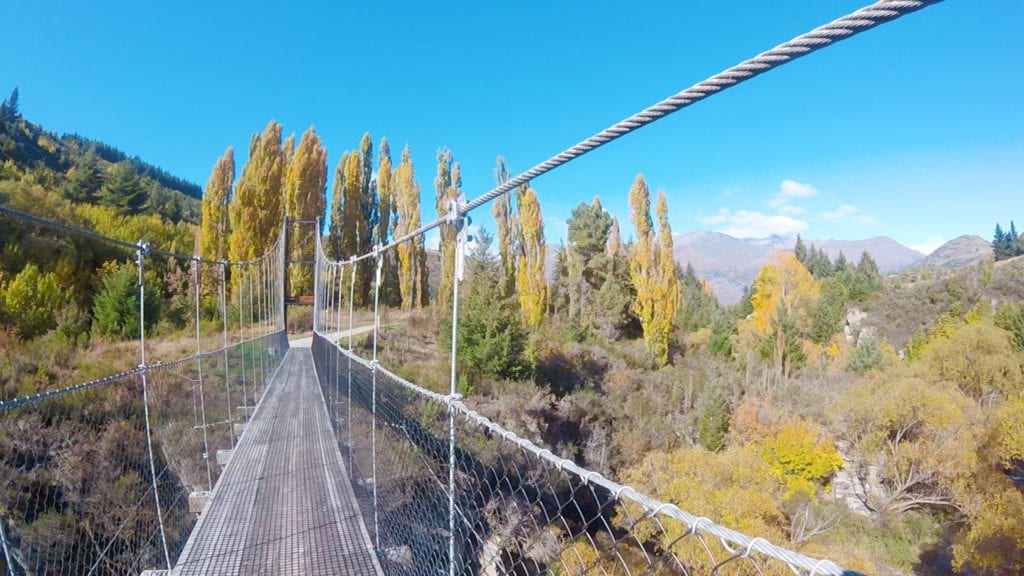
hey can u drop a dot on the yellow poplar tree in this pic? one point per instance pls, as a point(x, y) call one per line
point(411, 269)
point(447, 187)
point(614, 246)
point(256, 207)
point(653, 271)
point(305, 185)
point(784, 283)
point(784, 297)
point(502, 212)
point(216, 227)
point(355, 226)
point(533, 288)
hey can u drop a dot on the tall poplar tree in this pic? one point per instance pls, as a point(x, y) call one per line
point(356, 229)
point(653, 270)
point(412, 272)
point(533, 288)
point(386, 208)
point(216, 227)
point(256, 208)
point(354, 215)
point(502, 212)
point(447, 187)
point(614, 246)
point(336, 238)
point(305, 186)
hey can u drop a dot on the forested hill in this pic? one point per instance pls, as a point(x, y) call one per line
point(90, 172)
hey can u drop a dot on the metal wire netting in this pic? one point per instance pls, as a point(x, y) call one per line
point(518, 508)
point(76, 485)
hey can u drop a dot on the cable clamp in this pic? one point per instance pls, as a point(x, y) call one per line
point(144, 247)
point(453, 210)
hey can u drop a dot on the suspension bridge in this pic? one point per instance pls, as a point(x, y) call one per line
point(253, 455)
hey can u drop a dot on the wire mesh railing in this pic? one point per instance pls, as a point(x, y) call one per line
point(108, 476)
point(519, 509)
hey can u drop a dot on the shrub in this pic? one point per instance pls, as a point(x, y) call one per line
point(116, 306)
point(867, 356)
point(33, 299)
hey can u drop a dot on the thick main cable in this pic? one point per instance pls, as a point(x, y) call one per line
point(821, 37)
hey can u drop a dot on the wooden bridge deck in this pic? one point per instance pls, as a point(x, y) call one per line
point(284, 504)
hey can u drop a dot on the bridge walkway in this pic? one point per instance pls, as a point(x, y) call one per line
point(284, 504)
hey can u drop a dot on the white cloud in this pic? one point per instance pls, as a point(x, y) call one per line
point(790, 189)
point(929, 245)
point(794, 189)
point(841, 213)
point(750, 224)
point(720, 218)
point(792, 210)
point(845, 211)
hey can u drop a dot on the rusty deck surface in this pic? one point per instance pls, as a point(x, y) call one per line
point(284, 504)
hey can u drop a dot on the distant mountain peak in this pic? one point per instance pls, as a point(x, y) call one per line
point(960, 251)
point(729, 263)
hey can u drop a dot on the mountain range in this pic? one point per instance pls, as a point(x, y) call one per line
point(729, 264)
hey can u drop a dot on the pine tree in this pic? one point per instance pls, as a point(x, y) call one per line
point(588, 228)
point(1000, 243)
point(447, 187)
point(123, 188)
point(256, 208)
point(84, 179)
point(10, 107)
point(653, 271)
point(868, 268)
point(503, 216)
point(305, 189)
point(800, 250)
point(1013, 241)
point(841, 263)
point(411, 269)
point(533, 289)
point(215, 228)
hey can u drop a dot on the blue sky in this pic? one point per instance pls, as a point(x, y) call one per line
point(914, 130)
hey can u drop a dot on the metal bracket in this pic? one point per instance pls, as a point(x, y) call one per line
point(461, 224)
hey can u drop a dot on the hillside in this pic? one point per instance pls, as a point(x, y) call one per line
point(729, 264)
point(957, 253)
point(92, 172)
point(917, 300)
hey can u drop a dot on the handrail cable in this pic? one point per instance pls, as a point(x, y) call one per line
point(823, 36)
